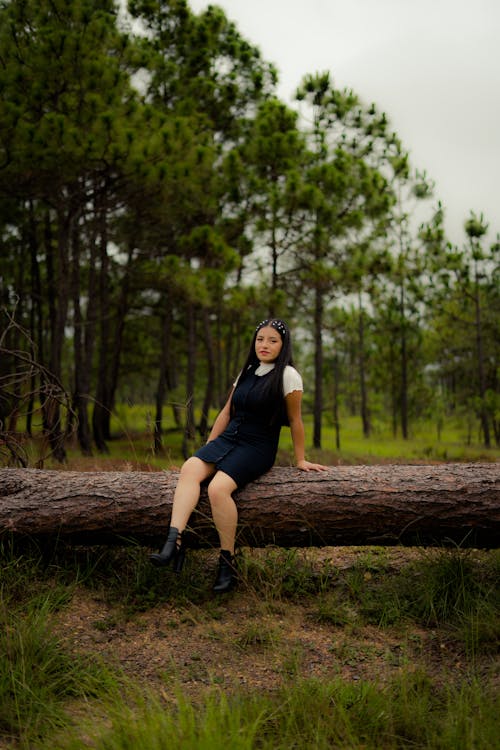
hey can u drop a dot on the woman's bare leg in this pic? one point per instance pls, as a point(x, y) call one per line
point(224, 511)
point(187, 492)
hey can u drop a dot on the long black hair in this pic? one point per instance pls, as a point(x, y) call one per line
point(274, 381)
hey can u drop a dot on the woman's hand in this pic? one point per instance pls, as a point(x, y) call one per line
point(308, 466)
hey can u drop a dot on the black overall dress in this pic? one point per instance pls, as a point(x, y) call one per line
point(247, 447)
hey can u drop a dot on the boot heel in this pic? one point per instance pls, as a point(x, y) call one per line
point(179, 558)
point(226, 573)
point(170, 550)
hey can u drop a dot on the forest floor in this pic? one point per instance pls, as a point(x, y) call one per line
point(240, 641)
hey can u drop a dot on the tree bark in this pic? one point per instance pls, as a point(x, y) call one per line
point(161, 389)
point(455, 504)
point(102, 403)
point(483, 412)
point(404, 365)
point(190, 426)
point(365, 411)
point(318, 367)
point(82, 366)
point(208, 398)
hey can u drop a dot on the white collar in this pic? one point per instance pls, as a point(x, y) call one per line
point(264, 368)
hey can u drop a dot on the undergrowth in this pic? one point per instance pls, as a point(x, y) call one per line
point(38, 676)
point(407, 713)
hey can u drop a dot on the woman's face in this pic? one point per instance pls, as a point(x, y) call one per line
point(268, 344)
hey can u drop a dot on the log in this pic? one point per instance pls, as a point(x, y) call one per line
point(427, 505)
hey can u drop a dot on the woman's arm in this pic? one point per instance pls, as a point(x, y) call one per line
point(293, 406)
point(222, 420)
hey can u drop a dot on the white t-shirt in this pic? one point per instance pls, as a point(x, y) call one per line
point(292, 380)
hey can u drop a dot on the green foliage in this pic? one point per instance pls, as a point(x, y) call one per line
point(65, 115)
point(464, 296)
point(407, 712)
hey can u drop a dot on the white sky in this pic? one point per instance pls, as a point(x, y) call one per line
point(432, 65)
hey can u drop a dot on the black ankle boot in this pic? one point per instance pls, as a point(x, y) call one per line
point(226, 574)
point(173, 551)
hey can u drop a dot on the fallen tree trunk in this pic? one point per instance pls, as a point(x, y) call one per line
point(346, 505)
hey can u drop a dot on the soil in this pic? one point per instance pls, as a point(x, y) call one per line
point(237, 641)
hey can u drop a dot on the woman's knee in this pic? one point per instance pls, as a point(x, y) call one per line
point(195, 469)
point(220, 488)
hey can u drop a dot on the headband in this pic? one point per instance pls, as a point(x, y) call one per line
point(278, 325)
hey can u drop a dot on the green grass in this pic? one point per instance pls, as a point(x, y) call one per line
point(422, 444)
point(38, 677)
point(409, 712)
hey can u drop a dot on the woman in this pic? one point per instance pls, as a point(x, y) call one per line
point(242, 445)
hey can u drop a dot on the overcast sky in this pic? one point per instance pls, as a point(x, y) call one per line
point(432, 65)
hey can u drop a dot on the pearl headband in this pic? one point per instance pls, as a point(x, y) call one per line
point(278, 325)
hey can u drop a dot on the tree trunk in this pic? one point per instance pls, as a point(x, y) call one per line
point(161, 389)
point(404, 368)
point(51, 394)
point(190, 427)
point(318, 367)
point(336, 418)
point(82, 370)
point(483, 412)
point(365, 411)
point(36, 314)
point(346, 505)
point(394, 387)
point(100, 414)
point(208, 398)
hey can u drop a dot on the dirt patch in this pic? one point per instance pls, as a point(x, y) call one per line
point(239, 641)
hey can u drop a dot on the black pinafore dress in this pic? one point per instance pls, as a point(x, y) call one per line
point(247, 448)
